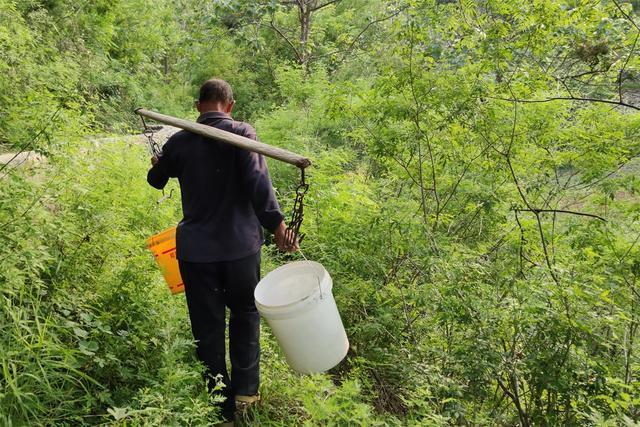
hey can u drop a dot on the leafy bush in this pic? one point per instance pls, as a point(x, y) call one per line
point(474, 196)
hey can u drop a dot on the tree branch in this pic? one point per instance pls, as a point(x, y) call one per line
point(626, 15)
point(374, 22)
point(277, 30)
point(41, 132)
point(567, 98)
point(355, 39)
point(313, 9)
point(537, 211)
point(624, 66)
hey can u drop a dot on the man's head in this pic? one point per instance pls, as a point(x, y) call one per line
point(215, 95)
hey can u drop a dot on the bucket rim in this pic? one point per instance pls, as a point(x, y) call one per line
point(307, 298)
point(162, 236)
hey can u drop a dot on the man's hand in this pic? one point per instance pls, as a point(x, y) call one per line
point(282, 236)
point(154, 160)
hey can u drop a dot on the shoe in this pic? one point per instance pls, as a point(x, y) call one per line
point(244, 402)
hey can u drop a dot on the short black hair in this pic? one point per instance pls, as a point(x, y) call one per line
point(215, 90)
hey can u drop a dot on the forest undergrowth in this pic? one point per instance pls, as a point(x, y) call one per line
point(473, 194)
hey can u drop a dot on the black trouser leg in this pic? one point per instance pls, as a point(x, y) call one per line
point(206, 302)
point(208, 288)
point(242, 276)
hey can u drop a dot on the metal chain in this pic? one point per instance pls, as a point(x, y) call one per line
point(292, 234)
point(156, 151)
point(154, 148)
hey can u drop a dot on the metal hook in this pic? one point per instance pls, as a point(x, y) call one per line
point(153, 146)
point(292, 233)
point(164, 196)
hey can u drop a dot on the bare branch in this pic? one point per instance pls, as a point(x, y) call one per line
point(624, 66)
point(277, 30)
point(416, 119)
point(364, 30)
point(374, 22)
point(464, 171)
point(562, 211)
point(313, 9)
point(626, 15)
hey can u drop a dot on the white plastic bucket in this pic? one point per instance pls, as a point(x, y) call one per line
point(297, 302)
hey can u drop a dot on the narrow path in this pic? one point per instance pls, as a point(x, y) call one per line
point(26, 158)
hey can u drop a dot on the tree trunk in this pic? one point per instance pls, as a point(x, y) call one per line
point(304, 16)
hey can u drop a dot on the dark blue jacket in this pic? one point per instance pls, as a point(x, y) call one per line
point(226, 193)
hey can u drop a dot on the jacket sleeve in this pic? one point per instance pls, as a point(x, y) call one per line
point(164, 169)
point(257, 183)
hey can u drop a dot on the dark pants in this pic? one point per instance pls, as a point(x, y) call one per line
point(210, 287)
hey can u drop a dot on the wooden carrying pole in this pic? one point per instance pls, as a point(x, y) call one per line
point(229, 138)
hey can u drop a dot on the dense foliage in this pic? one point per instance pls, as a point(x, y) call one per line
point(474, 196)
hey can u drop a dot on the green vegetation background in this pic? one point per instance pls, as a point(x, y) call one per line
point(448, 210)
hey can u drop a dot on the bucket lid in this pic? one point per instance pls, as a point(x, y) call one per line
point(292, 283)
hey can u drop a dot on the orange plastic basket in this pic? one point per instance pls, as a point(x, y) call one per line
point(163, 247)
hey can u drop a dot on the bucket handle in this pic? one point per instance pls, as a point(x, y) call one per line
point(317, 277)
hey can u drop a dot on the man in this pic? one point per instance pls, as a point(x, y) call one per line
point(227, 197)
